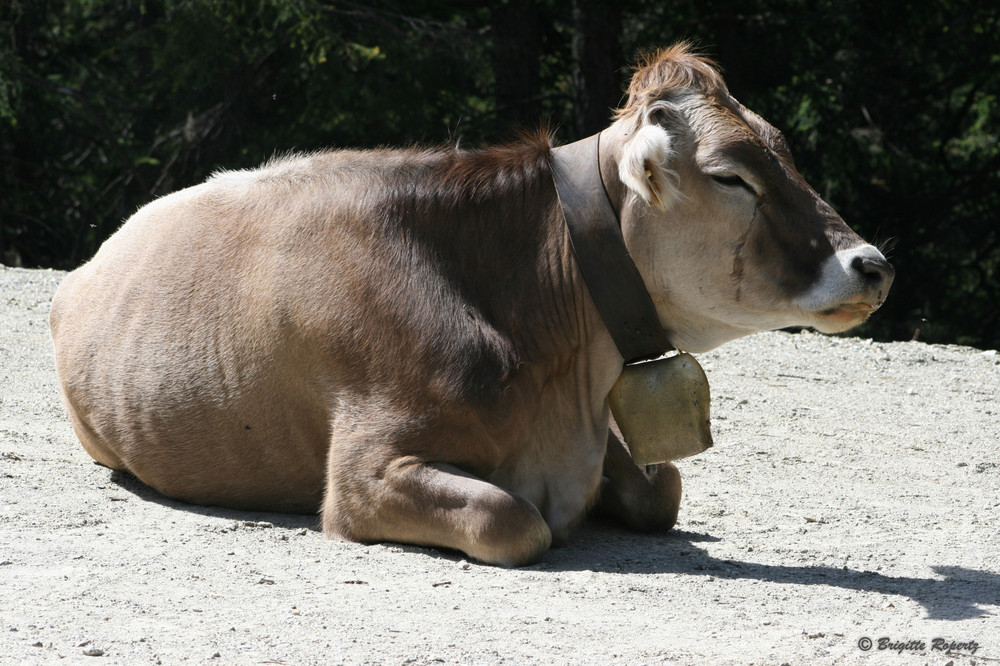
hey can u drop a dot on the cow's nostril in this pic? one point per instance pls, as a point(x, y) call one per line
point(874, 269)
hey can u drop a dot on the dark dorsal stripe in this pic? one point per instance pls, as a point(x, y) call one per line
point(609, 272)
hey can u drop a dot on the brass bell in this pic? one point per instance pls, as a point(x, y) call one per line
point(661, 408)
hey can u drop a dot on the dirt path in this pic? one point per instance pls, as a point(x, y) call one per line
point(853, 492)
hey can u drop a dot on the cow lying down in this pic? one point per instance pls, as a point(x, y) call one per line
point(403, 340)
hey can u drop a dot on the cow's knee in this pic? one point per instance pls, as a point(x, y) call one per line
point(434, 504)
point(664, 496)
point(643, 498)
point(506, 530)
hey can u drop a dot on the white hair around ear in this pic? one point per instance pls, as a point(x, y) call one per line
point(643, 166)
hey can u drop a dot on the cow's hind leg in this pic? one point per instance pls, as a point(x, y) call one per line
point(93, 444)
point(643, 498)
point(432, 504)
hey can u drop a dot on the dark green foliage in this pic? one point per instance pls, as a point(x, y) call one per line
point(892, 110)
point(117, 102)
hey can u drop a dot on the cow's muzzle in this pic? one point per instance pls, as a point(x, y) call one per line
point(876, 272)
point(853, 283)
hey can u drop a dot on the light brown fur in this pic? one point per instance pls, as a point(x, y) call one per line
point(402, 340)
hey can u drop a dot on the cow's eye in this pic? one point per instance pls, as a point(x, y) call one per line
point(732, 180)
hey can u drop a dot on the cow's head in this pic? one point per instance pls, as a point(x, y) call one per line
point(727, 235)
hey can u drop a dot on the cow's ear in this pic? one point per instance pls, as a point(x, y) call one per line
point(644, 166)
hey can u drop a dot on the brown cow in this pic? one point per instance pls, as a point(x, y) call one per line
point(402, 339)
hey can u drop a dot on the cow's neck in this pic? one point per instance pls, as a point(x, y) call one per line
point(614, 282)
point(507, 251)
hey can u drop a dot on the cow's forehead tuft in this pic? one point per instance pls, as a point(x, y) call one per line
point(678, 67)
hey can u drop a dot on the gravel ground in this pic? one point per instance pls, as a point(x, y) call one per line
point(851, 494)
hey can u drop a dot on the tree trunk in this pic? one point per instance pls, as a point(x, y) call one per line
point(596, 62)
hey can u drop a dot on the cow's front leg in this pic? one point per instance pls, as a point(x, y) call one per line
point(432, 504)
point(643, 498)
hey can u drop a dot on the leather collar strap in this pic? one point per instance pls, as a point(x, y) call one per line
point(608, 270)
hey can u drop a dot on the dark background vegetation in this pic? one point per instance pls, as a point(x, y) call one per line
point(891, 108)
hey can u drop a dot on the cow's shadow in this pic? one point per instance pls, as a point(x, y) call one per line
point(126, 481)
point(959, 593)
